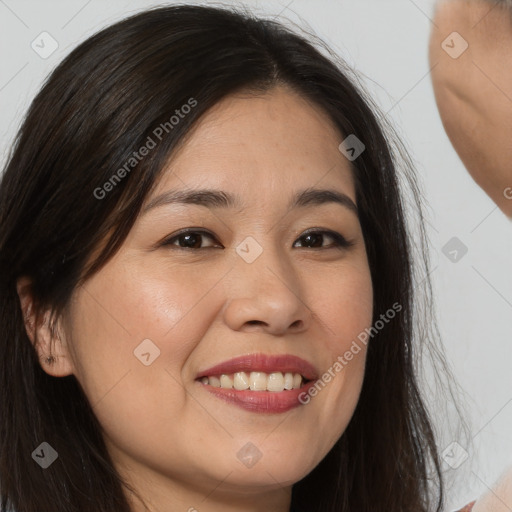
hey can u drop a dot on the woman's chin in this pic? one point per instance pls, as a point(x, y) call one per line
point(261, 477)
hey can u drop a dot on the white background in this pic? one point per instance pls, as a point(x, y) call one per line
point(386, 41)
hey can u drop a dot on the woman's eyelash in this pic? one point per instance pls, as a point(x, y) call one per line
point(339, 240)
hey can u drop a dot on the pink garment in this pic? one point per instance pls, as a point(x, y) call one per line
point(468, 507)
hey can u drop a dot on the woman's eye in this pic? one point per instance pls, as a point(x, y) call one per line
point(188, 240)
point(315, 239)
point(191, 239)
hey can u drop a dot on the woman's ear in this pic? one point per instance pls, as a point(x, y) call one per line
point(57, 361)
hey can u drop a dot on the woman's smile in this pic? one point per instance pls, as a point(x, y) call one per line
point(260, 382)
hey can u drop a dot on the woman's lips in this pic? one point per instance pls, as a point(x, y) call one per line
point(261, 401)
point(255, 400)
point(263, 363)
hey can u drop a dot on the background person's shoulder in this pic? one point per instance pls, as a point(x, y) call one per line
point(499, 497)
point(468, 507)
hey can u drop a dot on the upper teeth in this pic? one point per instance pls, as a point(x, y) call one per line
point(256, 381)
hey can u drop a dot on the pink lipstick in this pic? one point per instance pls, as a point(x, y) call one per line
point(259, 382)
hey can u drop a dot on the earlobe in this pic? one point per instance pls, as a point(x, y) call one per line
point(50, 344)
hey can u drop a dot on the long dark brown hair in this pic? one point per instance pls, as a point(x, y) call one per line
point(96, 108)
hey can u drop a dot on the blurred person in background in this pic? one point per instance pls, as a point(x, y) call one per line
point(471, 55)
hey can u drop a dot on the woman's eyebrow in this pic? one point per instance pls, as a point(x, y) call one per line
point(219, 199)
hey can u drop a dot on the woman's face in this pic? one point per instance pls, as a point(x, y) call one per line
point(166, 308)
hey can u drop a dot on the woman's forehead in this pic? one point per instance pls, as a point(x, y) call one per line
point(274, 142)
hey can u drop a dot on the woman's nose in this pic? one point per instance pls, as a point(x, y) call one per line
point(266, 294)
